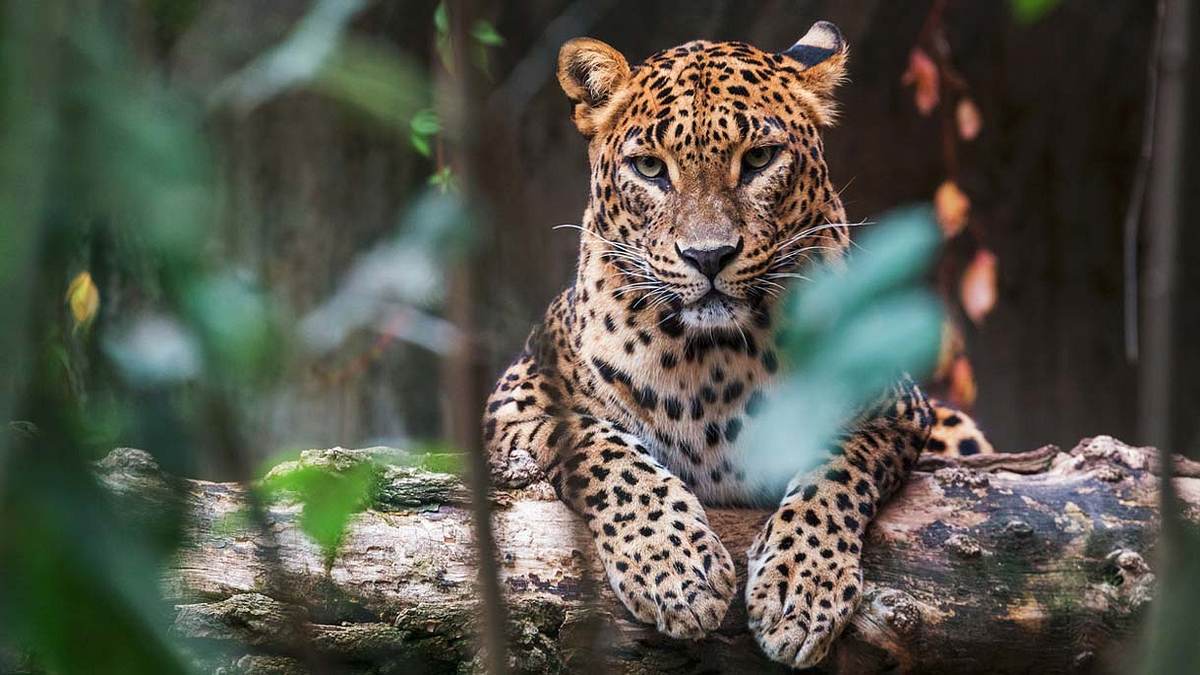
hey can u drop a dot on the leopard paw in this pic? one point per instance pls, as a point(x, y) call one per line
point(678, 576)
point(802, 588)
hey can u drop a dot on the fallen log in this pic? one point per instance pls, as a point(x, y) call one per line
point(1028, 562)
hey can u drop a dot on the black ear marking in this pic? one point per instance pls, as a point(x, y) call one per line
point(822, 41)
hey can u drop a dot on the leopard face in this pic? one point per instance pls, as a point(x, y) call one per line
point(709, 185)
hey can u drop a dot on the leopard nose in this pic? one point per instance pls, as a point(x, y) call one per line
point(710, 261)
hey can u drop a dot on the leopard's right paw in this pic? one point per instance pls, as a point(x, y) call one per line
point(673, 573)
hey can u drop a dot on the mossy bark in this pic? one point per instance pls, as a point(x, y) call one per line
point(1031, 562)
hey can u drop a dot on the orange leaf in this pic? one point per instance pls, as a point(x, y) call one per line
point(962, 390)
point(951, 347)
point(923, 74)
point(978, 288)
point(952, 206)
point(83, 298)
point(969, 120)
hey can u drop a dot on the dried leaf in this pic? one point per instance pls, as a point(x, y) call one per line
point(969, 120)
point(952, 346)
point(952, 206)
point(83, 298)
point(978, 288)
point(962, 389)
point(922, 73)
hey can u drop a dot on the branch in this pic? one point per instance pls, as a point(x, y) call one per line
point(1011, 563)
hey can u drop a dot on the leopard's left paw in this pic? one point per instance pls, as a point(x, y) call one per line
point(802, 589)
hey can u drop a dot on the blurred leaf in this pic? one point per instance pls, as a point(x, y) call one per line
point(425, 122)
point(376, 80)
point(77, 562)
point(968, 119)
point(485, 33)
point(154, 350)
point(441, 20)
point(845, 336)
point(424, 125)
point(84, 299)
point(911, 321)
point(235, 326)
point(295, 61)
point(1028, 11)
point(952, 206)
point(420, 144)
point(441, 24)
point(390, 286)
point(978, 287)
point(893, 256)
point(443, 179)
point(922, 74)
point(330, 499)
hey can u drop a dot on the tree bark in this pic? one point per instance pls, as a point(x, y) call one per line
point(1028, 562)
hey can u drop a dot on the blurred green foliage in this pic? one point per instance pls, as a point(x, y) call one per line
point(846, 335)
point(329, 500)
point(108, 174)
point(1029, 11)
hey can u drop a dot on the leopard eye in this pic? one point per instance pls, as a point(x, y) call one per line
point(757, 158)
point(649, 167)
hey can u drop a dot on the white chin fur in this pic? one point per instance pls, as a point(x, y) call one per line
point(714, 314)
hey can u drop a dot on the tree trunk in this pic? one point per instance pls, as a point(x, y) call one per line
point(1030, 562)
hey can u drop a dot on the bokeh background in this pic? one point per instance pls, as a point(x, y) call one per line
point(312, 184)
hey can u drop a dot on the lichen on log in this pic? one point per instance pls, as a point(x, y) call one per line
point(1037, 561)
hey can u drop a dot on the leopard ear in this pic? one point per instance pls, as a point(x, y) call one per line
point(823, 53)
point(591, 73)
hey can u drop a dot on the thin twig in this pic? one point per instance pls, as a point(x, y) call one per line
point(464, 94)
point(1137, 193)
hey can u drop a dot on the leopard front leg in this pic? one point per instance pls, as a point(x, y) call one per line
point(660, 555)
point(804, 579)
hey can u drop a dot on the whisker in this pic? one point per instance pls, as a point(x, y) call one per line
point(786, 275)
point(610, 242)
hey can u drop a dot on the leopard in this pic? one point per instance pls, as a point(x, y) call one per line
point(709, 194)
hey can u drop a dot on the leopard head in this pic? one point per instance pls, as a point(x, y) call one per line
point(709, 190)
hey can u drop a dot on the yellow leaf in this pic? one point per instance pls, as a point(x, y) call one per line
point(83, 298)
point(922, 73)
point(978, 288)
point(970, 122)
point(952, 206)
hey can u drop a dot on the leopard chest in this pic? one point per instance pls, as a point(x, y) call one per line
point(690, 397)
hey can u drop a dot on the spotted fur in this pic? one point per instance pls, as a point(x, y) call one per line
point(632, 395)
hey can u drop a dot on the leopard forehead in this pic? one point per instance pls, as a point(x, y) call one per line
point(698, 107)
point(702, 99)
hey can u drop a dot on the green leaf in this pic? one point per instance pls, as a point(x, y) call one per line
point(485, 33)
point(330, 499)
point(235, 325)
point(1029, 11)
point(421, 145)
point(425, 122)
point(847, 335)
point(444, 180)
point(441, 20)
point(891, 256)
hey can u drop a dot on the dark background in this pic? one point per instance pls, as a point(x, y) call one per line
point(1062, 99)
